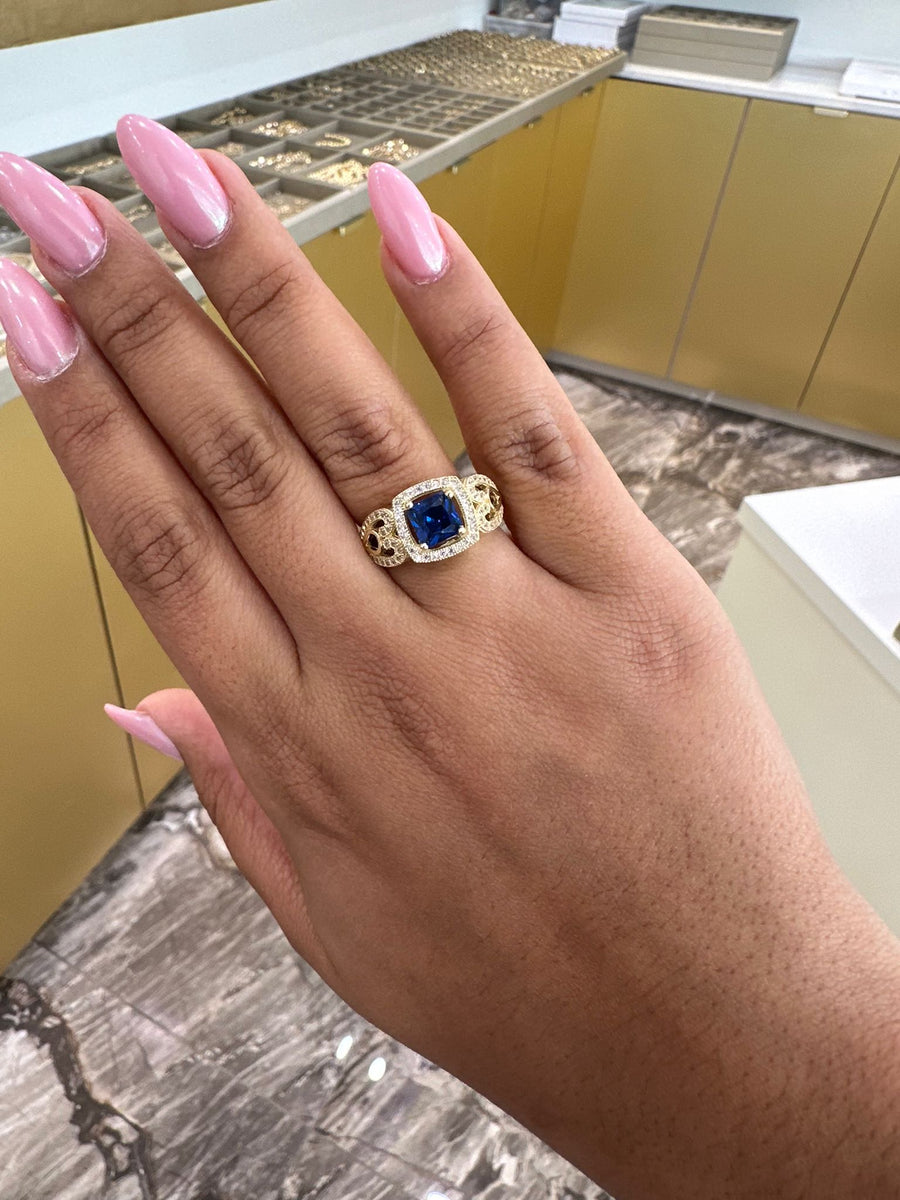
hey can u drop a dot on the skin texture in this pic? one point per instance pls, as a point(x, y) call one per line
point(524, 809)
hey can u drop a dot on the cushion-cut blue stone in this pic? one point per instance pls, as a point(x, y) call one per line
point(434, 519)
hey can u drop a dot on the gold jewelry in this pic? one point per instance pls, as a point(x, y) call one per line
point(345, 173)
point(432, 520)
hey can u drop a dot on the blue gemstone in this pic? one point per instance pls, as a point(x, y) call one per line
point(434, 519)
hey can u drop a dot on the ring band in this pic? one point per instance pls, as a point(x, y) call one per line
point(432, 520)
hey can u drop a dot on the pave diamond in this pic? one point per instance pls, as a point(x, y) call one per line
point(434, 519)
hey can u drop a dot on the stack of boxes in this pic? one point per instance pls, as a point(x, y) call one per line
point(610, 23)
point(738, 45)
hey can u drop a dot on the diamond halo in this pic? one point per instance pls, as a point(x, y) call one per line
point(452, 485)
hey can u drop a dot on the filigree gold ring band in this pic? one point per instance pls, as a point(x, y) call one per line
point(432, 520)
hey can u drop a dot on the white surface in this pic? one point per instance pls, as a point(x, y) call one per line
point(838, 715)
point(878, 80)
point(832, 28)
point(73, 88)
point(813, 83)
point(840, 546)
point(593, 33)
point(602, 10)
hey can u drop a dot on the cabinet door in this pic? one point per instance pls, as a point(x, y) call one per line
point(457, 194)
point(67, 782)
point(659, 159)
point(857, 380)
point(574, 136)
point(142, 665)
point(800, 199)
point(514, 206)
point(349, 260)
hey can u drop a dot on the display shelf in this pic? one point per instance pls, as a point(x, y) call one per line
point(375, 103)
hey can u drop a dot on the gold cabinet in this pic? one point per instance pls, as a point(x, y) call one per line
point(659, 159)
point(857, 379)
point(459, 196)
point(800, 198)
point(67, 782)
point(142, 666)
point(513, 206)
point(575, 128)
point(348, 259)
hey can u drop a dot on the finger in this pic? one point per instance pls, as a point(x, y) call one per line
point(162, 539)
point(252, 840)
point(563, 502)
point(205, 400)
point(339, 394)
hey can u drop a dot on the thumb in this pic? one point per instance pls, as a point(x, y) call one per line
point(176, 723)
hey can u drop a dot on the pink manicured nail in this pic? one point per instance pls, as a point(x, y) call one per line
point(50, 213)
point(35, 325)
point(175, 178)
point(143, 727)
point(406, 223)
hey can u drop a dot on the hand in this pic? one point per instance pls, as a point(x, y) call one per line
point(524, 809)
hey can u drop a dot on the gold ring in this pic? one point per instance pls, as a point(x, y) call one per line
point(432, 520)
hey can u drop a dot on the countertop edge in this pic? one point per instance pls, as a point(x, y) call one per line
point(879, 650)
point(813, 83)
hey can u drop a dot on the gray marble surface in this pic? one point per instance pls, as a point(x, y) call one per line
point(689, 465)
point(159, 1040)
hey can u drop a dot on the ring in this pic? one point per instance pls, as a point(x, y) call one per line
point(432, 520)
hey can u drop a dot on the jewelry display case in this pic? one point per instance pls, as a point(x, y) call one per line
point(307, 143)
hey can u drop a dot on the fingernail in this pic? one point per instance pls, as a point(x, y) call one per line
point(51, 214)
point(35, 325)
point(176, 179)
point(143, 727)
point(406, 223)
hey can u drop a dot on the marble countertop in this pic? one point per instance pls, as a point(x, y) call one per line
point(839, 545)
point(802, 82)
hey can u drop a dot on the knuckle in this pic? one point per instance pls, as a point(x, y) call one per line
point(664, 644)
point(263, 296)
point(80, 427)
point(159, 551)
point(478, 337)
point(531, 445)
point(361, 440)
point(137, 321)
point(422, 727)
point(243, 466)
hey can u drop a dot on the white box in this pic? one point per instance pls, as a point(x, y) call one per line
point(877, 80)
point(594, 33)
point(602, 10)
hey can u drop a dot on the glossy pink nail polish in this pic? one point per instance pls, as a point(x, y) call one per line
point(175, 178)
point(143, 727)
point(35, 325)
point(51, 214)
point(406, 223)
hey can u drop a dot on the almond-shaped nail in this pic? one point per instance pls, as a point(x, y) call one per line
point(406, 222)
point(42, 334)
point(143, 727)
point(176, 179)
point(51, 214)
